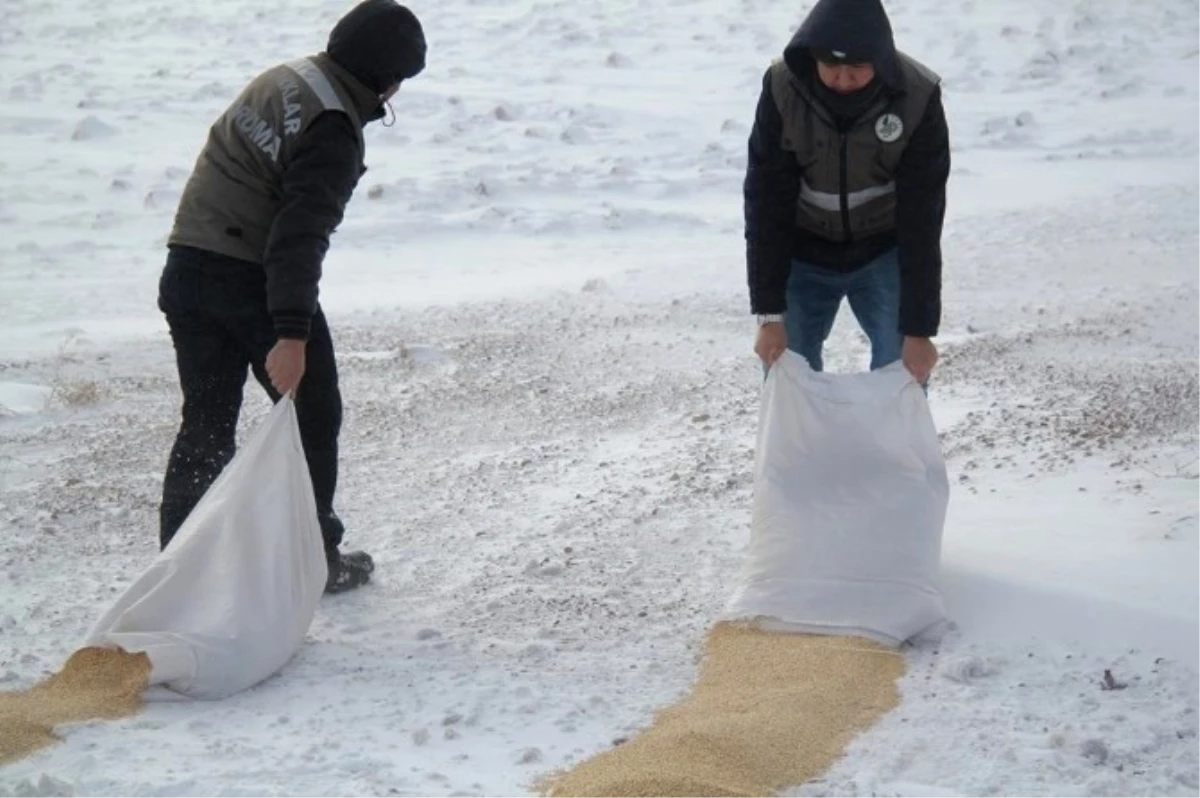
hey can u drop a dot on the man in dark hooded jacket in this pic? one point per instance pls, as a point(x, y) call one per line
point(845, 192)
point(239, 289)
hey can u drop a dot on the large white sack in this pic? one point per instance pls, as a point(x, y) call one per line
point(229, 601)
point(850, 496)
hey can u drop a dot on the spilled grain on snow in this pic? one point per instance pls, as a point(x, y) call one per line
point(95, 684)
point(768, 711)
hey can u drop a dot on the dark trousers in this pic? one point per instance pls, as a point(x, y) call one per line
point(216, 308)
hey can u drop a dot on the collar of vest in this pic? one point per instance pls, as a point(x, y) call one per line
point(366, 102)
point(886, 95)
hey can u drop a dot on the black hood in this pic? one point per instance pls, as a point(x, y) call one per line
point(380, 42)
point(859, 28)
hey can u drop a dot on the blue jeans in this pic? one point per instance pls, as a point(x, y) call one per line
point(815, 294)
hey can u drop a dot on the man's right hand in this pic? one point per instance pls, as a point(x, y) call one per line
point(771, 342)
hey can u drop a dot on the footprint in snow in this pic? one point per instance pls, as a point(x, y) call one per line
point(92, 128)
point(1181, 527)
point(966, 669)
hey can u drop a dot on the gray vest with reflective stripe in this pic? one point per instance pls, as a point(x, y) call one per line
point(847, 187)
point(234, 192)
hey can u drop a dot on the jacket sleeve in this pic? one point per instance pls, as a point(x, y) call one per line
point(920, 209)
point(770, 191)
point(317, 184)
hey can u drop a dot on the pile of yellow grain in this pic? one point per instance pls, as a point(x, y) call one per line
point(95, 683)
point(768, 711)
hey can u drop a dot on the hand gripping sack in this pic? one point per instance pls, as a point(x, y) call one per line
point(230, 600)
point(850, 495)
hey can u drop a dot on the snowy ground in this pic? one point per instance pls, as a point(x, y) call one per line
point(538, 297)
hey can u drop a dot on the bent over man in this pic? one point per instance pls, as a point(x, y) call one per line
point(239, 289)
point(845, 192)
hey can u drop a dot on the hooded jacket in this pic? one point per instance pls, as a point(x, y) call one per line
point(280, 165)
point(913, 170)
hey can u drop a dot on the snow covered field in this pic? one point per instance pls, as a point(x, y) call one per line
point(538, 297)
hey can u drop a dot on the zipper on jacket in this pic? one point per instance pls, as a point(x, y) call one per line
point(844, 177)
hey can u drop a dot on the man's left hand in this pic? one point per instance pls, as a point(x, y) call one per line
point(919, 356)
point(285, 364)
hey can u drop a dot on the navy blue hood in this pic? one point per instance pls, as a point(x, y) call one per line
point(380, 42)
point(859, 28)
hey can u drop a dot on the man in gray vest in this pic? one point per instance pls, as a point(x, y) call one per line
point(845, 192)
point(239, 289)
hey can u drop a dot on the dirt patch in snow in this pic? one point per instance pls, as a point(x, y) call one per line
point(1060, 394)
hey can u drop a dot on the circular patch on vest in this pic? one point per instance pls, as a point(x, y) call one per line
point(888, 128)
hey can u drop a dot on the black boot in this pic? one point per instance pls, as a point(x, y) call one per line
point(347, 571)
